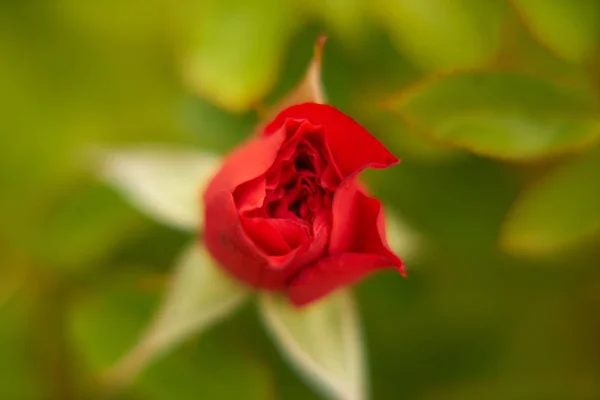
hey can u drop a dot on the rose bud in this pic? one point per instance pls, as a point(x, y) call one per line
point(287, 213)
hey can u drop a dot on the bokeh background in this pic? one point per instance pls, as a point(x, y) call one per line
point(500, 180)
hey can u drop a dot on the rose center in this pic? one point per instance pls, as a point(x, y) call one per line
point(303, 163)
point(297, 195)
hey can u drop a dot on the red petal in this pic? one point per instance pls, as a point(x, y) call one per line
point(352, 147)
point(281, 269)
point(358, 224)
point(266, 236)
point(224, 235)
point(276, 237)
point(227, 242)
point(247, 162)
point(331, 273)
point(357, 246)
point(250, 195)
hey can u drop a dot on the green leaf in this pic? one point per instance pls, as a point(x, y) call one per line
point(411, 146)
point(357, 76)
point(558, 212)
point(344, 17)
point(569, 28)
point(165, 182)
point(321, 341)
point(521, 52)
point(502, 114)
point(200, 294)
point(235, 49)
point(440, 34)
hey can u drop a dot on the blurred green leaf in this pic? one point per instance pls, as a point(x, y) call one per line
point(234, 49)
point(501, 114)
point(69, 85)
point(127, 23)
point(166, 182)
point(212, 367)
point(200, 295)
point(321, 341)
point(521, 52)
point(346, 18)
point(296, 60)
point(309, 89)
point(557, 212)
point(357, 75)
point(410, 146)
point(439, 34)
point(569, 28)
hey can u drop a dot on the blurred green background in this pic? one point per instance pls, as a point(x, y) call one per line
point(491, 105)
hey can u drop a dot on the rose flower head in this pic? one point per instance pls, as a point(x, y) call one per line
point(286, 211)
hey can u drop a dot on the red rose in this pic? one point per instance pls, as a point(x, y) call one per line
point(287, 213)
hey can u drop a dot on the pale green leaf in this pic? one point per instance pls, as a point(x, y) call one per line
point(558, 212)
point(502, 114)
point(309, 89)
point(569, 28)
point(402, 239)
point(166, 182)
point(200, 295)
point(321, 341)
